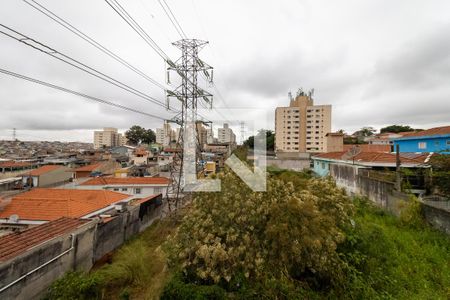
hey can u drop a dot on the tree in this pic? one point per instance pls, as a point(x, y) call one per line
point(270, 139)
point(135, 134)
point(148, 137)
point(365, 132)
point(440, 165)
point(285, 231)
point(396, 128)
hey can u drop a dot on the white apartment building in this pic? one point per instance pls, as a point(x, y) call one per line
point(302, 126)
point(165, 135)
point(226, 135)
point(108, 137)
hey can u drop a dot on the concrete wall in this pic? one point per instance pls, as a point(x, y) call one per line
point(289, 164)
point(383, 193)
point(34, 285)
point(62, 174)
point(112, 234)
point(91, 242)
point(437, 216)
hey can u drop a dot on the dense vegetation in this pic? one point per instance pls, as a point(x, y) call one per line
point(303, 239)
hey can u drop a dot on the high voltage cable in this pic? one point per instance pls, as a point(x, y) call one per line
point(136, 27)
point(120, 10)
point(174, 22)
point(79, 65)
point(50, 85)
point(90, 40)
point(181, 29)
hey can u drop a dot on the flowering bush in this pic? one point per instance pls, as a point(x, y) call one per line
point(283, 232)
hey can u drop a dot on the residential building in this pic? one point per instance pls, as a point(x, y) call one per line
point(96, 169)
point(226, 135)
point(334, 141)
point(202, 133)
point(165, 135)
point(108, 137)
point(41, 205)
point(302, 126)
point(138, 186)
point(141, 156)
point(432, 140)
point(210, 139)
point(380, 160)
point(45, 176)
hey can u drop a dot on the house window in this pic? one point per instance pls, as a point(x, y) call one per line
point(137, 190)
point(448, 142)
point(323, 165)
point(422, 145)
point(124, 189)
point(116, 189)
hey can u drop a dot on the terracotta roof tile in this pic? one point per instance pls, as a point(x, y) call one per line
point(369, 148)
point(15, 164)
point(51, 204)
point(17, 243)
point(43, 170)
point(126, 180)
point(432, 131)
point(88, 168)
point(376, 157)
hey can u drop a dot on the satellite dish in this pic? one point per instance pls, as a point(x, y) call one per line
point(13, 219)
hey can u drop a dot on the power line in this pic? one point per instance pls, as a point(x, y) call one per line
point(77, 64)
point(50, 85)
point(174, 21)
point(90, 40)
point(136, 27)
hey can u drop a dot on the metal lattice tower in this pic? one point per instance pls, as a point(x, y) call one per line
point(185, 166)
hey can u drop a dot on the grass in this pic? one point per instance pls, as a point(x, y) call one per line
point(137, 271)
point(387, 258)
point(396, 259)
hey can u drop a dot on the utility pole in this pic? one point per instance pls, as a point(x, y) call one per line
point(398, 175)
point(185, 165)
point(14, 134)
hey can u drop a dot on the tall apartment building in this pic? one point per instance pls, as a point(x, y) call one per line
point(108, 137)
point(166, 135)
point(226, 135)
point(302, 126)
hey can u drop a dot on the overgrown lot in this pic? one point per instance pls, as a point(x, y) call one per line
point(303, 239)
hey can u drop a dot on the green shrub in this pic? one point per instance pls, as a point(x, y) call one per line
point(75, 285)
point(177, 289)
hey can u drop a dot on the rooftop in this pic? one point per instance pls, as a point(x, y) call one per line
point(42, 170)
point(376, 157)
point(126, 180)
point(444, 130)
point(368, 147)
point(41, 204)
point(15, 164)
point(88, 168)
point(17, 243)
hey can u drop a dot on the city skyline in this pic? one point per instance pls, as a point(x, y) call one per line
point(375, 74)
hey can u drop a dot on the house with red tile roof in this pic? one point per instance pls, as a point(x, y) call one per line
point(137, 186)
point(97, 168)
point(41, 205)
point(363, 159)
point(431, 140)
point(17, 243)
point(45, 176)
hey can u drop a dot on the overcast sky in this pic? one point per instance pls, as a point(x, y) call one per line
point(377, 62)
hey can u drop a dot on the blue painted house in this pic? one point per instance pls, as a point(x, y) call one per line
point(431, 140)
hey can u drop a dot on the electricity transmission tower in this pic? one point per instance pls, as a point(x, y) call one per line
point(185, 165)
